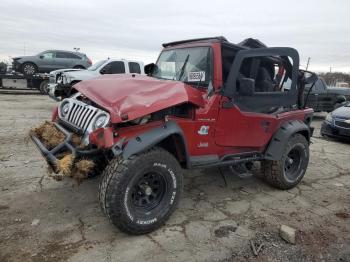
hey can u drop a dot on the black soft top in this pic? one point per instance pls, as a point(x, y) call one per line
point(245, 44)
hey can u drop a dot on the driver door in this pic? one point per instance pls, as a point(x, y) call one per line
point(260, 84)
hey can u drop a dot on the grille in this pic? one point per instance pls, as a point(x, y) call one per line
point(80, 114)
point(341, 123)
point(52, 79)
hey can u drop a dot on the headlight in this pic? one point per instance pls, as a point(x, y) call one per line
point(64, 79)
point(101, 121)
point(64, 108)
point(329, 118)
point(59, 80)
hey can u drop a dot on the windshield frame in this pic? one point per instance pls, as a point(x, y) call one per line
point(211, 65)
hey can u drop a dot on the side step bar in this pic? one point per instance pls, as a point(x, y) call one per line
point(228, 160)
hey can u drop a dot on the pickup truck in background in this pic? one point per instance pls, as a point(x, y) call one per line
point(61, 81)
point(325, 98)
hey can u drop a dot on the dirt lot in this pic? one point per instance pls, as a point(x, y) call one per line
point(45, 220)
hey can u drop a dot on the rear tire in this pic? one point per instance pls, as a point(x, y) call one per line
point(43, 88)
point(288, 172)
point(140, 193)
point(29, 69)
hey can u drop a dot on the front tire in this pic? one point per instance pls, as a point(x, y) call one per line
point(140, 193)
point(288, 172)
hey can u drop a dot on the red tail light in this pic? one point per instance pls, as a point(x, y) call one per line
point(89, 61)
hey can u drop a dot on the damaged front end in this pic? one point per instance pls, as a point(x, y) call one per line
point(60, 84)
point(64, 143)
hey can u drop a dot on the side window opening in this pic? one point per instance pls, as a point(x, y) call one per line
point(67, 55)
point(134, 68)
point(73, 56)
point(61, 55)
point(270, 74)
point(263, 84)
point(116, 67)
point(48, 55)
point(318, 87)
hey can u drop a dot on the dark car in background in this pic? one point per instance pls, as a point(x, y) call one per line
point(337, 123)
point(50, 60)
point(323, 98)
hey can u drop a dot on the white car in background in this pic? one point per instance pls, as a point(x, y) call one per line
point(61, 81)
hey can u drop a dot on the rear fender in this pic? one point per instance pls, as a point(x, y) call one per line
point(280, 138)
point(151, 138)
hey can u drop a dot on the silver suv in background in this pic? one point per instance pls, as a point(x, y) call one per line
point(61, 81)
point(50, 60)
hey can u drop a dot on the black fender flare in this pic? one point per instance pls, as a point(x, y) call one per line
point(280, 138)
point(153, 137)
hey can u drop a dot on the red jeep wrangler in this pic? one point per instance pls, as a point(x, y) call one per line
point(205, 103)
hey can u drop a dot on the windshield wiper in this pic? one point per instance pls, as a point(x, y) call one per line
point(183, 67)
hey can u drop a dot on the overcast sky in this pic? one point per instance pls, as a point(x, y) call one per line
point(135, 29)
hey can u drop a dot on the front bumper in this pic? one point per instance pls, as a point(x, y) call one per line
point(17, 66)
point(50, 155)
point(52, 89)
point(329, 129)
point(59, 91)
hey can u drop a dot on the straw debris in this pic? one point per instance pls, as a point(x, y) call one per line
point(67, 165)
point(64, 165)
point(48, 134)
point(82, 169)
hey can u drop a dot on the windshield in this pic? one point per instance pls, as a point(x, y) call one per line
point(96, 65)
point(190, 65)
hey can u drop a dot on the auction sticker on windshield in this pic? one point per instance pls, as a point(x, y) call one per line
point(196, 76)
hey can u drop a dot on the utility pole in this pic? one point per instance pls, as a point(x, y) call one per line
point(308, 62)
point(330, 69)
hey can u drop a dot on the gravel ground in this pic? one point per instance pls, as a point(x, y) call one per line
point(45, 220)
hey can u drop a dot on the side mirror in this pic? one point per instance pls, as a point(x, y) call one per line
point(103, 71)
point(149, 68)
point(246, 86)
point(41, 57)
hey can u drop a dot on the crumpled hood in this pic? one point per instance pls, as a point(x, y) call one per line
point(81, 74)
point(55, 72)
point(137, 95)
